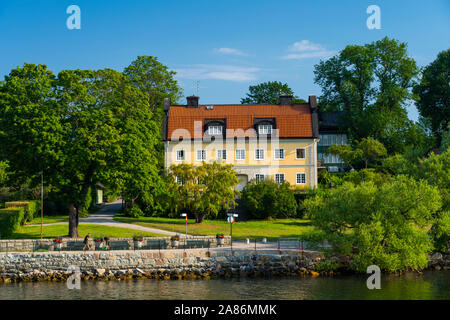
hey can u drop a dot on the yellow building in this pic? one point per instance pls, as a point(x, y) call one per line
point(261, 141)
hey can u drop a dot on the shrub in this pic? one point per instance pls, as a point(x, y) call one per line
point(31, 208)
point(383, 225)
point(134, 212)
point(10, 219)
point(268, 199)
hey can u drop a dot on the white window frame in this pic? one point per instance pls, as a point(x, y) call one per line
point(263, 152)
point(196, 154)
point(214, 130)
point(260, 176)
point(296, 178)
point(281, 174)
point(303, 153)
point(179, 181)
point(236, 153)
point(265, 129)
point(222, 151)
point(275, 154)
point(184, 155)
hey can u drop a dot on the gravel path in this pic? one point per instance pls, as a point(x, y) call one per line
point(105, 215)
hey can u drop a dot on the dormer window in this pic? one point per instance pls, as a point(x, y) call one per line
point(215, 130)
point(265, 129)
point(264, 126)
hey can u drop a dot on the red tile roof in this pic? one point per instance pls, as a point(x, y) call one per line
point(291, 120)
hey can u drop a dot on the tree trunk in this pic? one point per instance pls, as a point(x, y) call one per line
point(75, 213)
point(73, 221)
point(199, 217)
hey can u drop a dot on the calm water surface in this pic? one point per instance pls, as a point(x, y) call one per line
point(430, 285)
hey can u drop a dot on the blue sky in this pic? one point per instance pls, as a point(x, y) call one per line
point(226, 45)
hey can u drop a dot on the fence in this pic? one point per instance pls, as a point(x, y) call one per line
point(149, 243)
point(161, 243)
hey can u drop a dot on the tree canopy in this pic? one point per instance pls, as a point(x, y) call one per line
point(268, 93)
point(433, 93)
point(79, 128)
point(385, 225)
point(203, 190)
point(370, 85)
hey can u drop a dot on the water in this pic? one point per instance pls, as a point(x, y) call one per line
point(430, 285)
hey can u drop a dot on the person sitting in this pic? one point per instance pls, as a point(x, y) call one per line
point(107, 244)
point(86, 242)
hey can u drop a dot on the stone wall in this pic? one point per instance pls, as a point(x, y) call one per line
point(76, 244)
point(155, 264)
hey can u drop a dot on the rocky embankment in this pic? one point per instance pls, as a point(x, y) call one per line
point(173, 264)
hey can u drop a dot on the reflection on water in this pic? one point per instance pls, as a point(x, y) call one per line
point(430, 285)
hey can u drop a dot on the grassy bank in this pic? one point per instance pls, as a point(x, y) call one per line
point(34, 232)
point(271, 230)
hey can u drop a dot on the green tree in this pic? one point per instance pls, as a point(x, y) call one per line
point(155, 79)
point(79, 128)
point(445, 141)
point(268, 199)
point(346, 153)
point(386, 225)
point(367, 150)
point(433, 93)
point(268, 93)
point(3, 172)
point(203, 190)
point(370, 85)
point(371, 150)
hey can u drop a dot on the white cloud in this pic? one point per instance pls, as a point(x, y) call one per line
point(305, 49)
point(305, 45)
point(218, 72)
point(231, 51)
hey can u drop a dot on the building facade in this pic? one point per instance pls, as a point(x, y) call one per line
point(263, 141)
point(329, 134)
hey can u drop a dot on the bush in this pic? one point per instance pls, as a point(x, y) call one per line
point(134, 212)
point(10, 220)
point(31, 208)
point(268, 199)
point(385, 225)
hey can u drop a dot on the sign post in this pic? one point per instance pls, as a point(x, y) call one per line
point(185, 215)
point(231, 220)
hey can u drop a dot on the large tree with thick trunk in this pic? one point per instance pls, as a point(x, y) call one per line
point(78, 128)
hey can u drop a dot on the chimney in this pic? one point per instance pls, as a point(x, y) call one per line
point(192, 101)
point(312, 100)
point(285, 99)
point(167, 104)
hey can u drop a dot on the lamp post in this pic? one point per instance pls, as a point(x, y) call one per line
point(231, 219)
point(185, 215)
point(42, 201)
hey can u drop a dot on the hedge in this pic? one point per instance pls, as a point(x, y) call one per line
point(31, 208)
point(10, 219)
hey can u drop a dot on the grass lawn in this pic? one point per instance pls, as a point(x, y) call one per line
point(49, 219)
point(271, 230)
point(58, 218)
point(34, 232)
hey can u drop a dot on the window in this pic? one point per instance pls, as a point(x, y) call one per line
point(279, 154)
point(201, 155)
point(214, 130)
point(279, 177)
point(300, 154)
point(259, 177)
point(222, 154)
point(265, 129)
point(300, 178)
point(181, 155)
point(180, 181)
point(240, 154)
point(259, 154)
